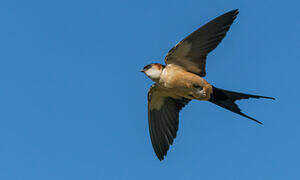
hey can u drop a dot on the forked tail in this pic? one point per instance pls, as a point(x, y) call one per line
point(226, 99)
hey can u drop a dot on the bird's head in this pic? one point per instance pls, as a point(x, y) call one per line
point(153, 71)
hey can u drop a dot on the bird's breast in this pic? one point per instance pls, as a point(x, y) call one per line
point(176, 77)
point(181, 82)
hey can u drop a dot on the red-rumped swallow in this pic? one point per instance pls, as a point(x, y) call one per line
point(180, 81)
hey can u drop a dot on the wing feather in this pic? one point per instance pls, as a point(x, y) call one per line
point(191, 52)
point(163, 117)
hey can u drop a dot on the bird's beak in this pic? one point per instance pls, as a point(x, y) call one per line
point(142, 70)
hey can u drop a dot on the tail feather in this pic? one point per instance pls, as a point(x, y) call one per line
point(226, 99)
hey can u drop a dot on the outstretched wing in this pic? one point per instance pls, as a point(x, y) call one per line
point(163, 117)
point(191, 52)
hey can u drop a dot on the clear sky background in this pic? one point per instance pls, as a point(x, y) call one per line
point(73, 102)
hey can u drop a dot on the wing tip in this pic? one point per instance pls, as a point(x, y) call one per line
point(160, 158)
point(235, 11)
point(270, 98)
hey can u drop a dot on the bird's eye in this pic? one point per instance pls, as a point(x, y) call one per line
point(147, 67)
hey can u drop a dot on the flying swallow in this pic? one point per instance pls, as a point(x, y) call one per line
point(181, 80)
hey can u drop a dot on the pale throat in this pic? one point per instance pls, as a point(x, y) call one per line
point(153, 74)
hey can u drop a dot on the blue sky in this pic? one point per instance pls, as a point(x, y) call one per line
point(73, 102)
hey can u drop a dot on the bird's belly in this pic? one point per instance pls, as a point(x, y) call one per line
point(191, 93)
point(191, 87)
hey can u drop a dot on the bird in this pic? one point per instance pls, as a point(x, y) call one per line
point(182, 80)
